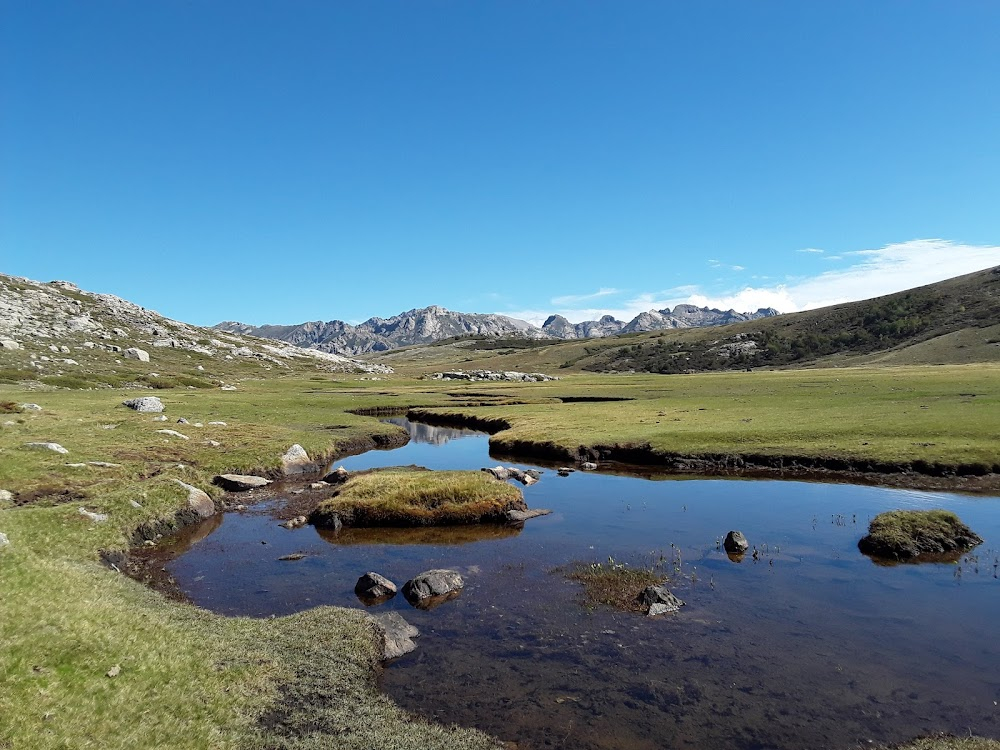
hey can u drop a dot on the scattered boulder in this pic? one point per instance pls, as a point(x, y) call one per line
point(4, 541)
point(104, 464)
point(296, 461)
point(318, 485)
point(95, 517)
point(657, 600)
point(238, 482)
point(519, 516)
point(913, 534)
point(433, 587)
point(294, 523)
point(31, 407)
point(218, 424)
point(6, 496)
point(174, 433)
point(399, 635)
point(137, 354)
point(198, 500)
point(499, 472)
point(182, 420)
point(373, 588)
point(161, 418)
point(55, 447)
point(144, 404)
point(9, 344)
point(227, 388)
point(213, 443)
point(337, 476)
point(736, 543)
point(527, 478)
point(588, 466)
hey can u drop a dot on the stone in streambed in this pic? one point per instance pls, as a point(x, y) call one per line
point(398, 634)
point(374, 588)
point(239, 482)
point(433, 587)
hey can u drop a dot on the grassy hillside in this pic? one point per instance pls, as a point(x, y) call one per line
point(950, 322)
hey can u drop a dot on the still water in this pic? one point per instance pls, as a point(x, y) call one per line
point(810, 645)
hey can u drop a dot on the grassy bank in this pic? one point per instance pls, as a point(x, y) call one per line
point(400, 497)
point(185, 678)
point(190, 679)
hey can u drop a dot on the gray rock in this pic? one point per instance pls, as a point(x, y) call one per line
point(104, 464)
point(399, 635)
point(374, 586)
point(144, 404)
point(337, 476)
point(239, 482)
point(4, 541)
point(31, 407)
point(174, 433)
point(588, 466)
point(296, 461)
point(9, 344)
point(182, 421)
point(227, 388)
point(6, 496)
point(499, 472)
point(517, 516)
point(736, 543)
point(218, 424)
point(198, 500)
point(46, 447)
point(213, 443)
point(318, 485)
point(657, 600)
point(161, 418)
point(433, 584)
point(137, 354)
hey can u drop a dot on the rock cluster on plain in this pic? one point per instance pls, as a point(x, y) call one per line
point(478, 376)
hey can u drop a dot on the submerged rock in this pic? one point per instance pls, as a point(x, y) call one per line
point(657, 600)
point(239, 482)
point(517, 516)
point(912, 534)
point(432, 587)
point(373, 587)
point(398, 634)
point(294, 523)
point(588, 466)
point(736, 543)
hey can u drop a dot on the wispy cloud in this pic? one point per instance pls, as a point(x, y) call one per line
point(810, 250)
point(871, 273)
point(726, 266)
point(575, 299)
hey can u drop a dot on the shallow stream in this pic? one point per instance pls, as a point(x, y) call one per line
point(811, 645)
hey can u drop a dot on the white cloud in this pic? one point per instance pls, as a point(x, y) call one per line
point(810, 250)
point(573, 299)
point(872, 273)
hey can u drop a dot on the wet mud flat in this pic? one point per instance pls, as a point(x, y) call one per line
point(811, 644)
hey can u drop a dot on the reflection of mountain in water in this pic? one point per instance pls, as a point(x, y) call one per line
point(425, 433)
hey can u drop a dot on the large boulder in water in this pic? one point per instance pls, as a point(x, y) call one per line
point(736, 543)
point(432, 587)
point(913, 534)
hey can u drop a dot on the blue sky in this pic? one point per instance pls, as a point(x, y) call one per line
point(281, 162)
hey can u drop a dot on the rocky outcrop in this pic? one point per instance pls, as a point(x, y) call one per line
point(54, 447)
point(477, 376)
point(59, 315)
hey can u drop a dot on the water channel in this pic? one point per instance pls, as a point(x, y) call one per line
point(810, 645)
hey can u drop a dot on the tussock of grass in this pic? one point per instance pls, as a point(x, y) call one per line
point(399, 497)
point(614, 584)
point(907, 534)
point(10, 407)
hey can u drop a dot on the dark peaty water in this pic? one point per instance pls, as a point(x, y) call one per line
point(811, 645)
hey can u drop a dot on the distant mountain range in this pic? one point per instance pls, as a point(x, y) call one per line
point(430, 324)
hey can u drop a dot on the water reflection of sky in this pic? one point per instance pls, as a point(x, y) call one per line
point(812, 645)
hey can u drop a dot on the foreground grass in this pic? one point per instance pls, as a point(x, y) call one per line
point(189, 679)
point(400, 497)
